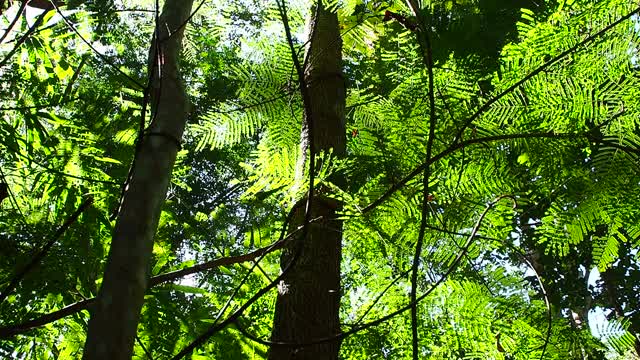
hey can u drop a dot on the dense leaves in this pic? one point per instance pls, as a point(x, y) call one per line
point(532, 235)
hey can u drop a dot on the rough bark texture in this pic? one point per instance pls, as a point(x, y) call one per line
point(115, 315)
point(308, 301)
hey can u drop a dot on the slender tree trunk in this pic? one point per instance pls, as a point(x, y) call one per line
point(308, 301)
point(115, 315)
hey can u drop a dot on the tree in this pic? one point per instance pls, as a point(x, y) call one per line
point(489, 166)
point(308, 304)
point(115, 313)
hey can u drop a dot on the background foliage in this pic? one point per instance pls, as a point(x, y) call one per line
point(552, 271)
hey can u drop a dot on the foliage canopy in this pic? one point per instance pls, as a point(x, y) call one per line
point(531, 214)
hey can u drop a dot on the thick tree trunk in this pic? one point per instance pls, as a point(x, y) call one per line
point(308, 301)
point(115, 315)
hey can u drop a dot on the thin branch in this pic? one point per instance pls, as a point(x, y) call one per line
point(424, 42)
point(14, 21)
point(471, 263)
point(54, 171)
point(238, 313)
point(45, 249)
point(541, 68)
point(306, 100)
point(233, 317)
point(250, 336)
point(461, 145)
point(13, 330)
point(131, 10)
point(39, 106)
point(103, 57)
point(144, 348)
point(193, 13)
point(256, 104)
point(243, 281)
point(458, 144)
point(395, 313)
point(291, 92)
point(452, 268)
point(225, 261)
point(24, 37)
point(44, 28)
point(450, 232)
point(381, 294)
point(544, 294)
point(74, 78)
point(12, 197)
point(154, 62)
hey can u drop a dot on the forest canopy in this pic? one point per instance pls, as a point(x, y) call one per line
point(353, 179)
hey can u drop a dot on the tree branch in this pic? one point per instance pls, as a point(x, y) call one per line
point(424, 42)
point(395, 313)
point(461, 145)
point(103, 57)
point(225, 261)
point(24, 37)
point(12, 330)
point(14, 21)
point(43, 252)
point(538, 70)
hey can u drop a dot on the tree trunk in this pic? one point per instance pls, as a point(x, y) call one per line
point(308, 302)
point(115, 315)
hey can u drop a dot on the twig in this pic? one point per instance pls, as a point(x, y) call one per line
point(74, 78)
point(43, 252)
point(14, 21)
point(144, 348)
point(538, 70)
point(544, 294)
point(395, 313)
point(39, 106)
point(381, 294)
point(104, 58)
point(154, 62)
point(243, 281)
point(225, 261)
point(52, 170)
point(13, 330)
point(24, 37)
point(232, 318)
point(461, 145)
point(12, 197)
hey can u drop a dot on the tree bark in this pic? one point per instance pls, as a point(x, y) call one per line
point(115, 315)
point(308, 303)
